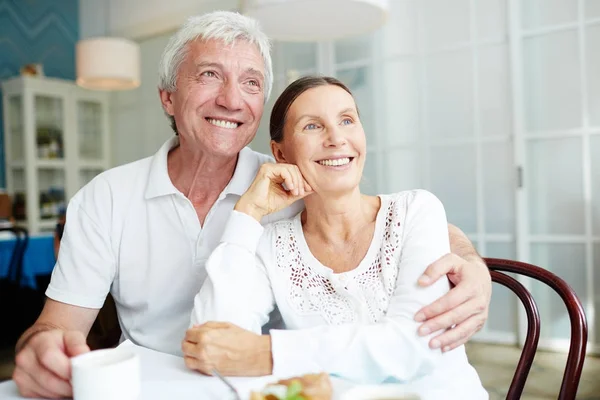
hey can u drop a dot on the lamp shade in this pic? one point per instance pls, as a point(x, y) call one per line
point(108, 63)
point(313, 20)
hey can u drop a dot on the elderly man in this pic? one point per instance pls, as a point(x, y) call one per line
point(143, 231)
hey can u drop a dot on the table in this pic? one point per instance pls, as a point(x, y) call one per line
point(165, 376)
point(37, 260)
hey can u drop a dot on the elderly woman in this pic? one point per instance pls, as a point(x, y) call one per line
point(343, 273)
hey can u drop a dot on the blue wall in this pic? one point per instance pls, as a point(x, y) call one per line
point(40, 32)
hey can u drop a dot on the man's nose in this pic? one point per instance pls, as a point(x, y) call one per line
point(230, 97)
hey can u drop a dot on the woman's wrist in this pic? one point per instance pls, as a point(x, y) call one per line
point(249, 209)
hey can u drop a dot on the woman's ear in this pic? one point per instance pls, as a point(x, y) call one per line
point(277, 150)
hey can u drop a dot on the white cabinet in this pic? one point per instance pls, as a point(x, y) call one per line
point(55, 141)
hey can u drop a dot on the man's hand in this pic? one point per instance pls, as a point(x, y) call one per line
point(464, 309)
point(43, 368)
point(229, 349)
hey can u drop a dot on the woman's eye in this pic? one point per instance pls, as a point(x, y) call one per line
point(209, 74)
point(253, 83)
point(310, 126)
point(346, 121)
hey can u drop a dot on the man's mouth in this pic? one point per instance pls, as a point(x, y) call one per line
point(221, 123)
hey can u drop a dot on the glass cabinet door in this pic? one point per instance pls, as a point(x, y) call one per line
point(89, 128)
point(49, 127)
point(15, 126)
point(51, 192)
point(87, 174)
point(19, 206)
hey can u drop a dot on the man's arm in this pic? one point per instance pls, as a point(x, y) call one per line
point(42, 362)
point(462, 246)
point(463, 310)
point(60, 316)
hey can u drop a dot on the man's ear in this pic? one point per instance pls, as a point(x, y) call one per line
point(165, 100)
point(276, 149)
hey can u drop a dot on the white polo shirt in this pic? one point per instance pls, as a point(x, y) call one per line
point(131, 232)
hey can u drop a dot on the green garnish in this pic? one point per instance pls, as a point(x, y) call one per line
point(293, 391)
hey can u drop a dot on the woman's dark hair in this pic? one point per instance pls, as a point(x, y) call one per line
point(291, 93)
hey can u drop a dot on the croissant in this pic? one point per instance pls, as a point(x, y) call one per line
point(305, 387)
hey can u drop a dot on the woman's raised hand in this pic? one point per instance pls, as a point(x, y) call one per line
point(275, 187)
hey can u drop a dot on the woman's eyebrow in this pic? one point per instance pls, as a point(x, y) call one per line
point(347, 110)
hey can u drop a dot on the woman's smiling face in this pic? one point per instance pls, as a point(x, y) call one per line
point(324, 137)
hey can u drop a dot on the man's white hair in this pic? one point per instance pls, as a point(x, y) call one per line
point(226, 26)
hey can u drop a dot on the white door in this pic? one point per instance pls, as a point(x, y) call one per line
point(557, 66)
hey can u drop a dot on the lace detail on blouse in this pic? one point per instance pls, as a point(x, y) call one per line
point(365, 296)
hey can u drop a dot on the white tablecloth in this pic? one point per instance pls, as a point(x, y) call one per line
point(166, 377)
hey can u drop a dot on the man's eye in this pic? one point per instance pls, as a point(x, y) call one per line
point(346, 121)
point(310, 126)
point(253, 82)
point(209, 74)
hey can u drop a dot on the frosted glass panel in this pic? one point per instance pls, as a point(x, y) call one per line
point(453, 180)
point(498, 187)
point(360, 82)
point(539, 13)
point(444, 23)
point(15, 127)
point(401, 102)
point(552, 90)
point(449, 95)
point(568, 262)
point(294, 56)
point(501, 250)
point(354, 48)
point(555, 181)
point(89, 115)
point(491, 18)
point(400, 32)
point(494, 91)
point(403, 169)
point(368, 183)
point(595, 161)
point(593, 77)
point(596, 284)
point(503, 306)
point(51, 192)
point(592, 9)
point(49, 126)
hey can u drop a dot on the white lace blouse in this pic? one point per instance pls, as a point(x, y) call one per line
point(357, 324)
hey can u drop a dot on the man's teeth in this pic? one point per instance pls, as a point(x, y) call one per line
point(335, 163)
point(223, 124)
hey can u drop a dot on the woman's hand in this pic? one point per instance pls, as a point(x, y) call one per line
point(229, 349)
point(267, 194)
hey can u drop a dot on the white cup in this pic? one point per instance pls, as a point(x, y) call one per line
point(380, 392)
point(106, 374)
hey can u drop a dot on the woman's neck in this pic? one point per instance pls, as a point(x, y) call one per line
point(338, 219)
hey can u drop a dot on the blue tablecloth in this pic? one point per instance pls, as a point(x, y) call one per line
point(37, 260)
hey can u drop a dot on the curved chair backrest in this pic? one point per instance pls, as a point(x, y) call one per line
point(15, 267)
point(579, 332)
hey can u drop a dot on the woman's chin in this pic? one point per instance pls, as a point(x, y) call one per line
point(337, 190)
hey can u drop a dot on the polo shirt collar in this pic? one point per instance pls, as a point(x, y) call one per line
point(159, 182)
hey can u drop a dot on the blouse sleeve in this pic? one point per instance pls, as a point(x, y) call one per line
point(390, 348)
point(237, 288)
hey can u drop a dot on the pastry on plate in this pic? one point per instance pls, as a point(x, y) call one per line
point(305, 387)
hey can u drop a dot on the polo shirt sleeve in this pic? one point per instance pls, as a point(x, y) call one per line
point(85, 268)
